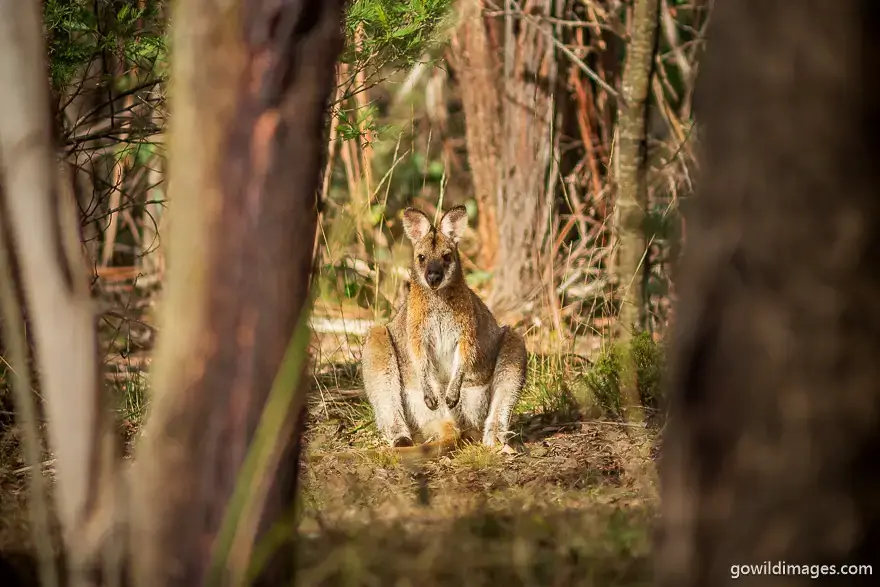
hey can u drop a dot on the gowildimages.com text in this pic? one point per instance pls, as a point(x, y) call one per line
point(784, 568)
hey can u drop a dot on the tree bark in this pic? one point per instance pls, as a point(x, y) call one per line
point(632, 192)
point(477, 70)
point(526, 158)
point(775, 416)
point(41, 238)
point(15, 349)
point(250, 83)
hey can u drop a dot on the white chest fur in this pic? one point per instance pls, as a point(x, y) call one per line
point(440, 342)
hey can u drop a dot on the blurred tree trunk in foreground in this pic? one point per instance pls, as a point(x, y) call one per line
point(44, 273)
point(775, 419)
point(250, 84)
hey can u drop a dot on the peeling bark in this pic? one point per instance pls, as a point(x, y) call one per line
point(249, 88)
point(775, 416)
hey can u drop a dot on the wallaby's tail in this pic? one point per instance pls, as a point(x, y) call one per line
point(447, 438)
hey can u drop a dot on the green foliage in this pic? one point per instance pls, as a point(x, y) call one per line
point(355, 123)
point(548, 387)
point(132, 394)
point(603, 379)
point(650, 361)
point(413, 173)
point(568, 386)
point(67, 24)
point(384, 37)
point(395, 31)
point(79, 30)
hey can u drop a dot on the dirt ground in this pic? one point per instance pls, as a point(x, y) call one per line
point(576, 507)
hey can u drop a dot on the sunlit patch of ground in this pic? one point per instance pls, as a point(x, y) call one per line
point(577, 508)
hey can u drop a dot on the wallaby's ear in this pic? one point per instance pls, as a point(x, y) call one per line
point(415, 224)
point(454, 222)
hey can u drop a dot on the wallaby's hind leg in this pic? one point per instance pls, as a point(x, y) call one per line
point(474, 407)
point(423, 419)
point(507, 384)
point(383, 386)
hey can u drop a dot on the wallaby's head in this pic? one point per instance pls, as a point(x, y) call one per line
point(435, 249)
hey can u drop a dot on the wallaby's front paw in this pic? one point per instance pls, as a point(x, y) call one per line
point(452, 400)
point(431, 400)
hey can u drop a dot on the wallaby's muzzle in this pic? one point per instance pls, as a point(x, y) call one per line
point(434, 273)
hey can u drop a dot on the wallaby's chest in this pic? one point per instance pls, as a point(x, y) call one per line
point(440, 336)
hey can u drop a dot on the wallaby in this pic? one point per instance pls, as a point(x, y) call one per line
point(442, 368)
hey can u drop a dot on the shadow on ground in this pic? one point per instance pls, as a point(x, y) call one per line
point(577, 509)
point(529, 546)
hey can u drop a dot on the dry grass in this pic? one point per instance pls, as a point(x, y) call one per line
point(14, 529)
point(576, 508)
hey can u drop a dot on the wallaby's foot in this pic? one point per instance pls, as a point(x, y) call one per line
point(490, 437)
point(509, 448)
point(402, 441)
point(431, 400)
point(497, 437)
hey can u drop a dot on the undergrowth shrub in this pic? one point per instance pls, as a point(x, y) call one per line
point(603, 378)
point(572, 386)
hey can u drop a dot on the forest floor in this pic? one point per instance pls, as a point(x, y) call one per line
point(577, 510)
point(576, 507)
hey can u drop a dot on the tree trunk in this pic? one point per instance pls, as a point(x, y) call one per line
point(775, 416)
point(41, 238)
point(477, 70)
point(15, 349)
point(526, 155)
point(250, 83)
point(632, 191)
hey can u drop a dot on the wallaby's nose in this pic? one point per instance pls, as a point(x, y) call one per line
point(434, 273)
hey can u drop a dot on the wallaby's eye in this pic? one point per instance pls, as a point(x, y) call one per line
point(421, 258)
point(447, 258)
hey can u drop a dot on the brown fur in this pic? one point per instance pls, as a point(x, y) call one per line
point(443, 357)
point(447, 440)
